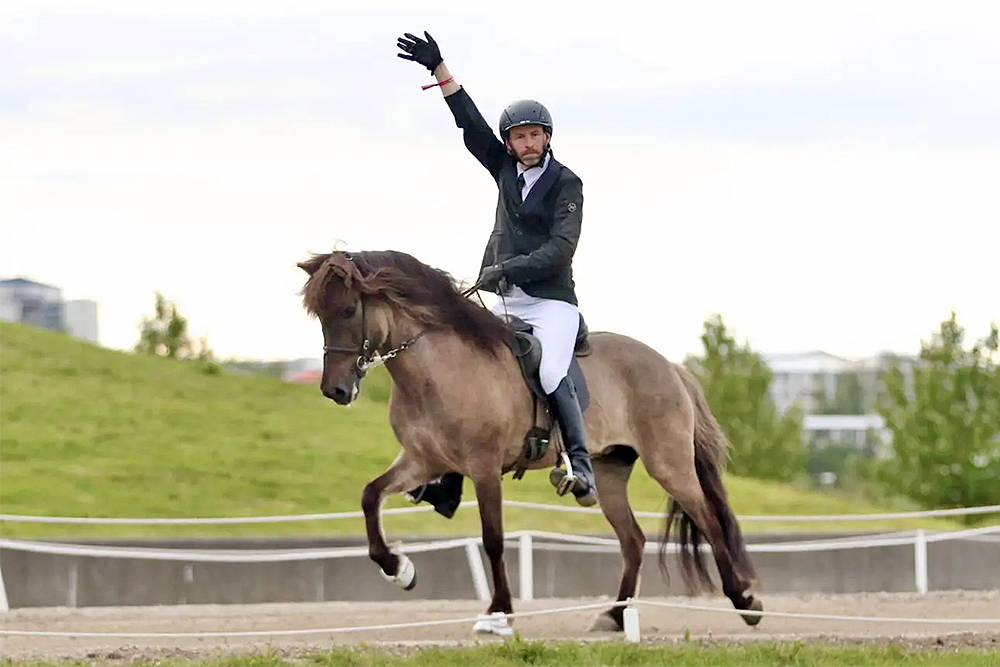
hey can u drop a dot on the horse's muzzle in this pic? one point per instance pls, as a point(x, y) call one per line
point(342, 394)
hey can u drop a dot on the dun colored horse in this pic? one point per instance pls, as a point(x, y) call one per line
point(460, 402)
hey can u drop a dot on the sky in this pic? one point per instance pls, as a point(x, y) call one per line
point(823, 175)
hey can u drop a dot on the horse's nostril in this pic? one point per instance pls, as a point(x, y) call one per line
point(338, 394)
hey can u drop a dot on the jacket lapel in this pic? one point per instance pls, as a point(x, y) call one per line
point(544, 182)
point(508, 178)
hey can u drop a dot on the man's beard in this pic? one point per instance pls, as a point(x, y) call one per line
point(537, 158)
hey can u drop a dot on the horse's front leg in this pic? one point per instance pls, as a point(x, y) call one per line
point(404, 473)
point(489, 494)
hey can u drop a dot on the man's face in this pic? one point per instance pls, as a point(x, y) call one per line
point(527, 143)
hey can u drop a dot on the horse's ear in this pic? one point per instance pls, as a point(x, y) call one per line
point(312, 264)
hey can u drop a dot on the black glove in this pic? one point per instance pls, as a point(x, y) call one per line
point(426, 53)
point(490, 278)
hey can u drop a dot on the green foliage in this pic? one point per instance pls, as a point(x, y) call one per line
point(166, 334)
point(944, 419)
point(736, 380)
point(835, 457)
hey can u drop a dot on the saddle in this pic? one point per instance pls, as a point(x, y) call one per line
point(528, 351)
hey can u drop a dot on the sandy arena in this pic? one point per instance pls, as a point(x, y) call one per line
point(657, 624)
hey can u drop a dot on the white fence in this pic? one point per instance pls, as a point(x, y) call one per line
point(528, 542)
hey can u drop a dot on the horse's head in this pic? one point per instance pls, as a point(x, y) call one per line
point(352, 322)
point(369, 301)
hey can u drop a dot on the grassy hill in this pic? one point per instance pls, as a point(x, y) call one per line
point(86, 431)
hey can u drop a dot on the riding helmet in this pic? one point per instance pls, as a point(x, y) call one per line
point(524, 112)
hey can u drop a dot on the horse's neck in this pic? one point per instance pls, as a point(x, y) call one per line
point(440, 361)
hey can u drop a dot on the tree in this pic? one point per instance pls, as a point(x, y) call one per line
point(945, 422)
point(736, 382)
point(166, 334)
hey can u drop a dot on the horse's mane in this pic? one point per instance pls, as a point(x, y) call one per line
point(428, 295)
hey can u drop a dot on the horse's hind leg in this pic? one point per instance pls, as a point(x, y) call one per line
point(612, 473)
point(405, 472)
point(678, 475)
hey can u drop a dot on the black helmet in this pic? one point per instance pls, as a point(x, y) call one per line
point(524, 112)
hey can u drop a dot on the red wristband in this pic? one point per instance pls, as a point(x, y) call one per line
point(439, 83)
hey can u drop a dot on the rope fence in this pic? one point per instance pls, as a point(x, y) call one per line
point(632, 630)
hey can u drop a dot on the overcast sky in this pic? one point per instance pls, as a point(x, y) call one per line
point(825, 175)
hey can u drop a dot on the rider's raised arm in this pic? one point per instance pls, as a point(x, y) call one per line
point(476, 132)
point(479, 138)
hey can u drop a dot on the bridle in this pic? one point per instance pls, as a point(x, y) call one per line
point(366, 356)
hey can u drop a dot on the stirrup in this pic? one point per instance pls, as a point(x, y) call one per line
point(564, 481)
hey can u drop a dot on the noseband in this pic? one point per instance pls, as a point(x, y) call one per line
point(364, 361)
point(365, 352)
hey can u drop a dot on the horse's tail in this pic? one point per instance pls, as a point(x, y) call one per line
point(710, 454)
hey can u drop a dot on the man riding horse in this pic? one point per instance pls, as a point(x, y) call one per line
point(528, 259)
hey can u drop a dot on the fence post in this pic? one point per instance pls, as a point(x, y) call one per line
point(631, 618)
point(920, 561)
point(478, 571)
point(526, 561)
point(4, 605)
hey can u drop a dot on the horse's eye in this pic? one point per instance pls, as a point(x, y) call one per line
point(349, 311)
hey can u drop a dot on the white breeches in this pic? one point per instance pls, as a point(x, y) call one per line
point(555, 324)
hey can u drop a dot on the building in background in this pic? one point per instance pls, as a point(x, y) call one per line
point(837, 395)
point(80, 319)
point(30, 302)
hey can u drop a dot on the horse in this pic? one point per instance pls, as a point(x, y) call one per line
point(460, 403)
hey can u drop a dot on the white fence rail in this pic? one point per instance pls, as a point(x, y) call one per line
point(751, 518)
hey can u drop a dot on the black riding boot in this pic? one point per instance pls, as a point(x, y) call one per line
point(445, 494)
point(566, 407)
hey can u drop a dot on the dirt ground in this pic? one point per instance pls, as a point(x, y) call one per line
point(657, 624)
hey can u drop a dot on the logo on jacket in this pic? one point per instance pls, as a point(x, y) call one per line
point(571, 206)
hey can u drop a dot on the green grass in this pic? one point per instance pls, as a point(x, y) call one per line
point(86, 431)
point(573, 654)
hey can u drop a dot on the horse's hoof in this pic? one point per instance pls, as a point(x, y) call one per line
point(605, 622)
point(406, 574)
point(754, 619)
point(493, 624)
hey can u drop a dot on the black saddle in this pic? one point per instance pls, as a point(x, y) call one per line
point(528, 351)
